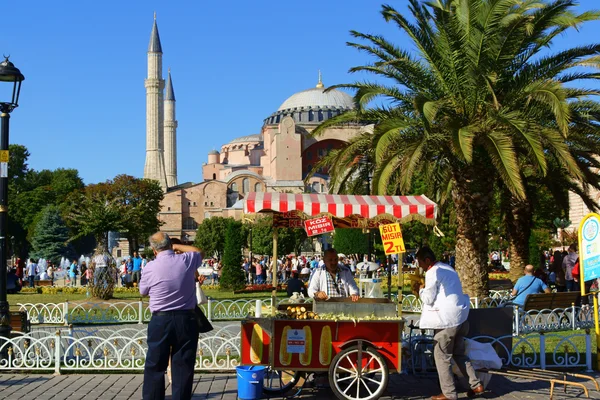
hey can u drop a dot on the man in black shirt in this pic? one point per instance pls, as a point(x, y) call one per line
point(296, 285)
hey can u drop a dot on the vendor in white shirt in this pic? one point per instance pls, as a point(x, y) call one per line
point(333, 280)
point(445, 310)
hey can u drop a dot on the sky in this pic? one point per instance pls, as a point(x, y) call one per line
point(83, 102)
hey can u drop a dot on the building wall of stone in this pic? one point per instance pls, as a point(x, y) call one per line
point(286, 157)
point(211, 171)
point(578, 210)
point(252, 181)
point(316, 152)
point(196, 202)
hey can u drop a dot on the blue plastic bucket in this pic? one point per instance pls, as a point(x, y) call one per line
point(250, 382)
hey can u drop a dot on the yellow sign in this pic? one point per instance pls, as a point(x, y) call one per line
point(3, 155)
point(391, 236)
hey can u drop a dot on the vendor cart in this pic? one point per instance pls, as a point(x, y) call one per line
point(358, 356)
point(356, 353)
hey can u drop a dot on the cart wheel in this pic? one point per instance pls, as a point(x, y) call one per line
point(281, 382)
point(350, 381)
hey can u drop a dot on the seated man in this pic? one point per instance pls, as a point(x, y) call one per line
point(528, 284)
point(333, 280)
point(13, 282)
point(295, 285)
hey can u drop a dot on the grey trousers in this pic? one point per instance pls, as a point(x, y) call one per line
point(450, 344)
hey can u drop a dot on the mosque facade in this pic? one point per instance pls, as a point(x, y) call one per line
point(276, 159)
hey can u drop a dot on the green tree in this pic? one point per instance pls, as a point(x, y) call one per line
point(475, 102)
point(95, 211)
point(350, 241)
point(210, 236)
point(140, 201)
point(232, 275)
point(50, 239)
point(290, 240)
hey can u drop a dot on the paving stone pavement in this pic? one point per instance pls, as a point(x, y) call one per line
point(224, 386)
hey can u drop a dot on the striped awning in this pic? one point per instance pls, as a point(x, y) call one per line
point(343, 206)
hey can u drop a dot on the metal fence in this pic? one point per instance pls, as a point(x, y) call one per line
point(538, 350)
point(109, 350)
point(125, 349)
point(575, 317)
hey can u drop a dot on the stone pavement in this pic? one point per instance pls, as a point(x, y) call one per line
point(224, 386)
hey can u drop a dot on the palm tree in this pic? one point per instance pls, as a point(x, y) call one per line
point(584, 145)
point(467, 106)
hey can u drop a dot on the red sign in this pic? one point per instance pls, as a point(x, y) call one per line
point(318, 226)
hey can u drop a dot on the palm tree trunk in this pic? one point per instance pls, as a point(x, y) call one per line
point(472, 199)
point(518, 226)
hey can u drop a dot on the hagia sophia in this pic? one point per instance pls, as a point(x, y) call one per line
point(276, 159)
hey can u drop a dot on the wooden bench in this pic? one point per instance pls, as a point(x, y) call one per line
point(19, 321)
point(550, 301)
point(43, 282)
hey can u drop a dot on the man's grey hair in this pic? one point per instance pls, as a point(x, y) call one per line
point(160, 241)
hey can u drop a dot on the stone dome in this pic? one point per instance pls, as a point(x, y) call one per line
point(247, 139)
point(213, 152)
point(318, 98)
point(312, 106)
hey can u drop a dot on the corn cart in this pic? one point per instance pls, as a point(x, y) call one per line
point(357, 350)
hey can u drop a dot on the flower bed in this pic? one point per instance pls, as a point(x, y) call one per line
point(498, 275)
point(265, 287)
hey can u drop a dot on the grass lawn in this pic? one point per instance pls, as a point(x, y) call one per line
point(45, 298)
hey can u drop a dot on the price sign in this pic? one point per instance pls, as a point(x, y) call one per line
point(391, 236)
point(318, 226)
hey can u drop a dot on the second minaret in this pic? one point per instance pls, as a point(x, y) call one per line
point(170, 131)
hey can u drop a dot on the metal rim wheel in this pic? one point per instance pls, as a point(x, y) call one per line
point(354, 380)
point(280, 382)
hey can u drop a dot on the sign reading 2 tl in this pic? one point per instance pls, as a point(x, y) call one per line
point(391, 236)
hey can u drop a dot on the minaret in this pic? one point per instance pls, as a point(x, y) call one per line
point(155, 163)
point(170, 134)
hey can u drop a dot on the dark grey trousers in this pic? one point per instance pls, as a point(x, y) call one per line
point(450, 344)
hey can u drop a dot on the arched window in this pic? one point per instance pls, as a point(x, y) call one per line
point(214, 176)
point(234, 187)
point(257, 187)
point(190, 224)
point(245, 185)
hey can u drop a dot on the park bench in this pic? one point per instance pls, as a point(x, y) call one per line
point(42, 282)
point(19, 322)
point(550, 301)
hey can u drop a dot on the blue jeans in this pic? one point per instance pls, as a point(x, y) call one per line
point(174, 335)
point(570, 286)
point(31, 280)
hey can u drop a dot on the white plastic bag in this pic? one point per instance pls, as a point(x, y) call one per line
point(200, 296)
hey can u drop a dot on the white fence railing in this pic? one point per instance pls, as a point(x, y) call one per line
point(574, 317)
point(126, 312)
point(537, 350)
point(126, 349)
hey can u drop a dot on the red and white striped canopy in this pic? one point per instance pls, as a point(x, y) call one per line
point(342, 206)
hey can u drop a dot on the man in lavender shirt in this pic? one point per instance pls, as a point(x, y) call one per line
point(170, 282)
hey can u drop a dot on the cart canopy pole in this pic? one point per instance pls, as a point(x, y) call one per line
point(389, 277)
point(274, 271)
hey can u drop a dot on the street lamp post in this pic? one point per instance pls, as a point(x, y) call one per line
point(11, 75)
point(364, 160)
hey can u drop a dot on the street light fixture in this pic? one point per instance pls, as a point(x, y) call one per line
point(10, 75)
